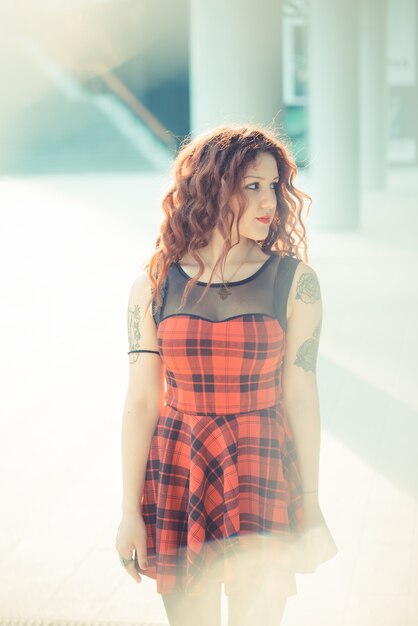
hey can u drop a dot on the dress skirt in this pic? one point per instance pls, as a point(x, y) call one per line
point(222, 497)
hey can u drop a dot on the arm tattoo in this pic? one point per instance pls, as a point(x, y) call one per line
point(133, 358)
point(307, 288)
point(307, 353)
point(133, 327)
point(134, 334)
point(316, 333)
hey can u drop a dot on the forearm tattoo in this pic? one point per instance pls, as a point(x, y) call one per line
point(307, 353)
point(307, 288)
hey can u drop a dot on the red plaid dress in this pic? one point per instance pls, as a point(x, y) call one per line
point(222, 495)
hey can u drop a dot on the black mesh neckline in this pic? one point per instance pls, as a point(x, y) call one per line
point(235, 282)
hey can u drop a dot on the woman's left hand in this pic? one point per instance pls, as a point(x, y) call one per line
point(316, 544)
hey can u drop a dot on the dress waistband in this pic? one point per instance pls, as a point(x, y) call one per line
point(220, 414)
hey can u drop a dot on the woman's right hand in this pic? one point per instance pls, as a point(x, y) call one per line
point(132, 534)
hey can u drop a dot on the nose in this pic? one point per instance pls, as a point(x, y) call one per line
point(269, 201)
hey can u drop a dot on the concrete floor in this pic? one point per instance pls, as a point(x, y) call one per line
point(70, 248)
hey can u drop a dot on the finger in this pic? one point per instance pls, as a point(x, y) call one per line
point(140, 555)
point(131, 569)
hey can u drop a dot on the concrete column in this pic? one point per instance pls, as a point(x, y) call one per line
point(333, 113)
point(235, 63)
point(374, 122)
point(403, 53)
point(415, 87)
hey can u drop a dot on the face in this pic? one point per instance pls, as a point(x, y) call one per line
point(259, 185)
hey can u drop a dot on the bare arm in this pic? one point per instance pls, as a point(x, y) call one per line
point(300, 392)
point(145, 394)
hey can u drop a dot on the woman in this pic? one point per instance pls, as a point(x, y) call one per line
point(221, 428)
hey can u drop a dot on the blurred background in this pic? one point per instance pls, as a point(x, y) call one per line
point(96, 97)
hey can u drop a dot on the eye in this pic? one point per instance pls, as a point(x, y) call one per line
point(275, 185)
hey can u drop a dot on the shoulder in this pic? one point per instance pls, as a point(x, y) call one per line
point(140, 285)
point(141, 294)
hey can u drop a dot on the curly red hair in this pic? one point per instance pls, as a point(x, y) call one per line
point(207, 172)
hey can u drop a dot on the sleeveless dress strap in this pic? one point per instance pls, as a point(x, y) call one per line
point(282, 284)
point(156, 312)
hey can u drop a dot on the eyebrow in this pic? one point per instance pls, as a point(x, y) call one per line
point(254, 176)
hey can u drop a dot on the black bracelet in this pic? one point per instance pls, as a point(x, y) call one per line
point(130, 351)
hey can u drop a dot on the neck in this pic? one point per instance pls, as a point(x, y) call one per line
point(238, 253)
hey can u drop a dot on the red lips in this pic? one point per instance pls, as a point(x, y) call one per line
point(264, 219)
